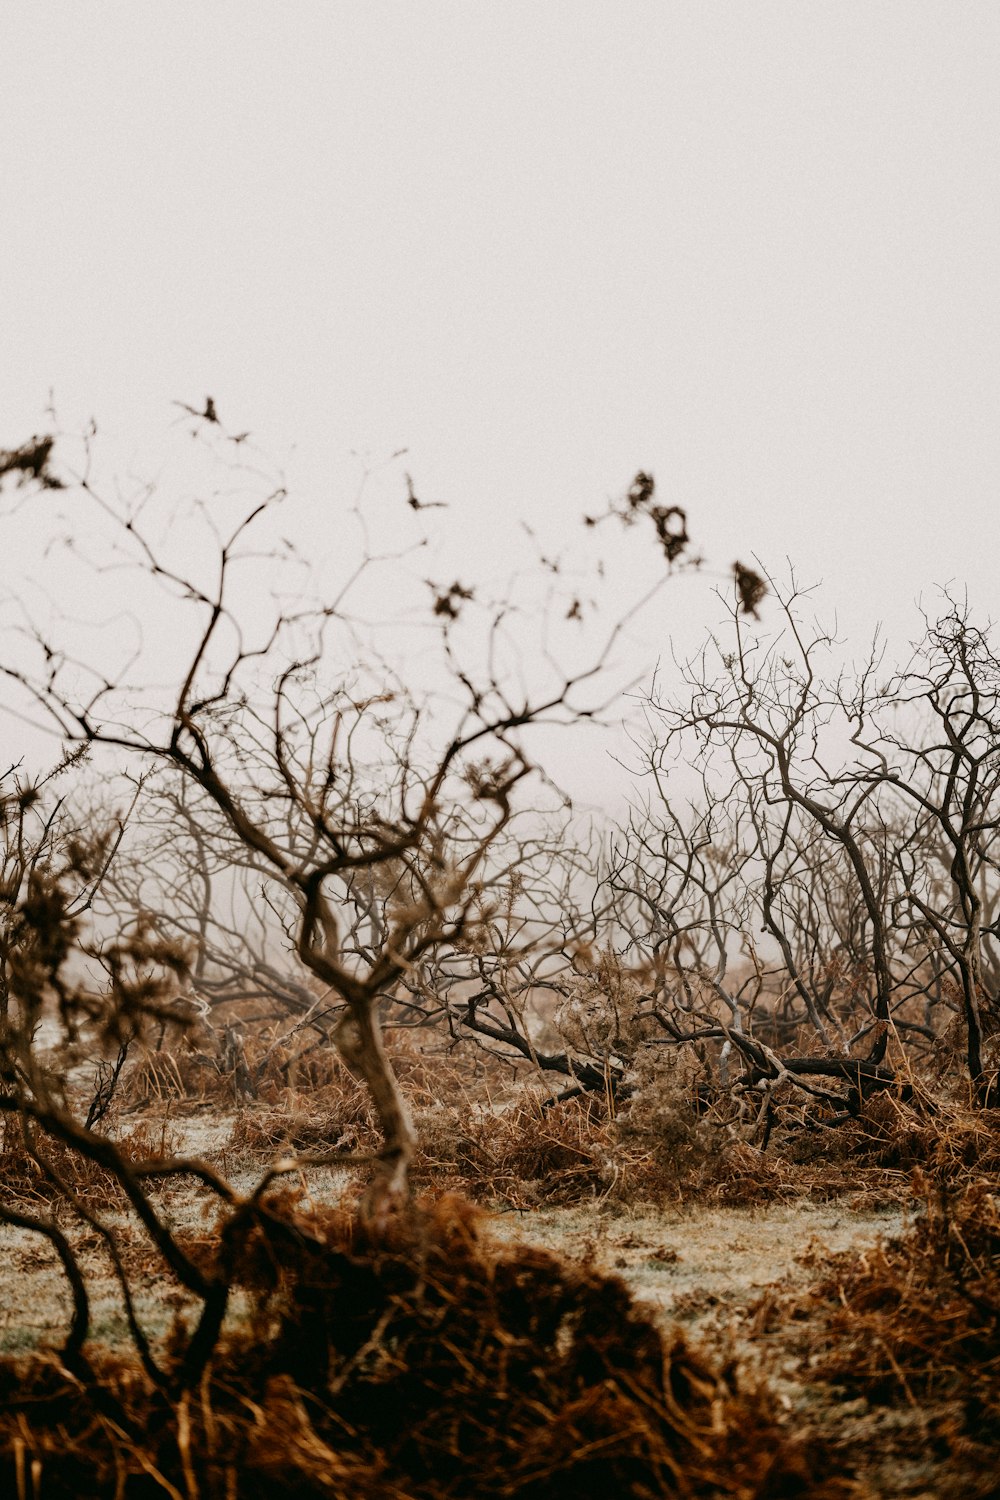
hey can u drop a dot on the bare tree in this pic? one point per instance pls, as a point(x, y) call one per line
point(932, 735)
point(300, 757)
point(52, 868)
point(861, 818)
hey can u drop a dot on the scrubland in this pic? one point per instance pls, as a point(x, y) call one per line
point(373, 1123)
point(584, 1294)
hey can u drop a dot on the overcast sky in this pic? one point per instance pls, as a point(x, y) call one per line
point(751, 247)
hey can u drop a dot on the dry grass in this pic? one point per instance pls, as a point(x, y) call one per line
point(898, 1347)
point(948, 1138)
point(336, 1117)
point(37, 1170)
point(180, 1074)
point(518, 1155)
point(919, 1318)
point(525, 1153)
point(29, 1186)
point(427, 1364)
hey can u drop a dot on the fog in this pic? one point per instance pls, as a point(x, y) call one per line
point(750, 249)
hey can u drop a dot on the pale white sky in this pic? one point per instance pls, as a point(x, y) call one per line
point(752, 247)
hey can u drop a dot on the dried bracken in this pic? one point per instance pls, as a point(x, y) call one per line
point(423, 1364)
point(899, 1347)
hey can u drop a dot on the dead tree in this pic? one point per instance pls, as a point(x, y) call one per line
point(869, 816)
point(372, 809)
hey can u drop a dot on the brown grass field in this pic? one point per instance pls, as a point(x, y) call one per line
point(582, 1300)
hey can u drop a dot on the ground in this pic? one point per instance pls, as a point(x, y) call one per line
point(692, 1262)
point(749, 1285)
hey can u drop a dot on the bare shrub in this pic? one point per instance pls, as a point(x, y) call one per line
point(526, 1154)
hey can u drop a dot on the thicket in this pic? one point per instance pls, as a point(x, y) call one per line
point(362, 923)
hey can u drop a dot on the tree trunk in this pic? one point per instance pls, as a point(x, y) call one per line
point(359, 1042)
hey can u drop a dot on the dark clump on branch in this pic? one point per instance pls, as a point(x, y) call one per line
point(424, 1363)
point(669, 521)
point(30, 463)
point(448, 602)
point(750, 588)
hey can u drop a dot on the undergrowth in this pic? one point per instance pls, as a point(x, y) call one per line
point(425, 1363)
point(897, 1347)
point(918, 1319)
point(37, 1169)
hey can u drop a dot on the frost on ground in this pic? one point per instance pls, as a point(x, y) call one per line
point(696, 1263)
point(36, 1307)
